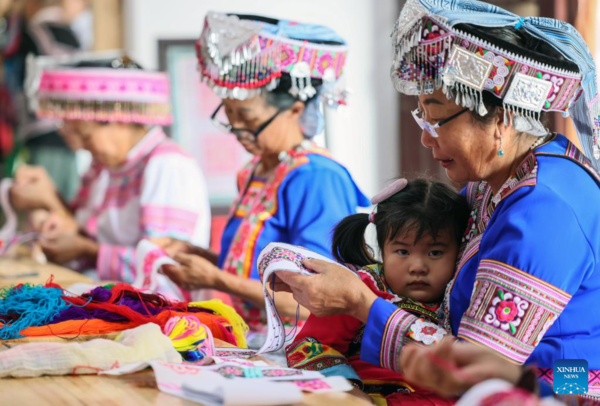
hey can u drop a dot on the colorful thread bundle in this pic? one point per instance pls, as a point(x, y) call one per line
point(49, 311)
point(192, 339)
point(238, 325)
point(25, 305)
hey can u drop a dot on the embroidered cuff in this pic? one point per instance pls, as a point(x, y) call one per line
point(511, 310)
point(385, 334)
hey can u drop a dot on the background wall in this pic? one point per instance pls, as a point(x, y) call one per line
point(364, 134)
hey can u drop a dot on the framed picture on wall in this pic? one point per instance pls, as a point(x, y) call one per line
point(219, 154)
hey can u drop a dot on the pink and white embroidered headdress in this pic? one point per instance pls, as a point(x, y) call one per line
point(105, 94)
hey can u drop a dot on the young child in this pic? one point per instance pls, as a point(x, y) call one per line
point(419, 227)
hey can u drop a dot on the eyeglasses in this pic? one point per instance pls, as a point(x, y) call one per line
point(431, 128)
point(242, 134)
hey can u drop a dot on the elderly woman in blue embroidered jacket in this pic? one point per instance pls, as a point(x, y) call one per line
point(273, 77)
point(528, 272)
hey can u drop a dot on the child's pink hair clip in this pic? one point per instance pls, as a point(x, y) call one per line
point(387, 192)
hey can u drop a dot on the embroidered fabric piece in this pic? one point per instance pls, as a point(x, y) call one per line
point(426, 332)
point(105, 94)
point(394, 337)
point(309, 354)
point(240, 58)
point(279, 257)
point(511, 310)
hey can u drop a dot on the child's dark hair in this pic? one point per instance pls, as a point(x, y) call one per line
point(423, 206)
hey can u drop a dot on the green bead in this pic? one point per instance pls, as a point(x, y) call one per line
point(501, 152)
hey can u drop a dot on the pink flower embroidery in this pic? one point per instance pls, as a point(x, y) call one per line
point(324, 62)
point(288, 56)
point(506, 311)
point(425, 332)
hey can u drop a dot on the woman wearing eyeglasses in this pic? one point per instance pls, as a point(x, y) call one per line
point(528, 270)
point(272, 76)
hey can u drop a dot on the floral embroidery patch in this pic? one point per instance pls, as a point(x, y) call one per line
point(510, 310)
point(506, 311)
point(426, 332)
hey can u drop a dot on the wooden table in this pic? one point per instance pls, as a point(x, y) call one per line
point(136, 389)
point(15, 271)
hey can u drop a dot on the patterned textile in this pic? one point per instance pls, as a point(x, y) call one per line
point(307, 195)
point(105, 94)
point(241, 57)
point(332, 345)
point(443, 44)
point(158, 192)
point(511, 310)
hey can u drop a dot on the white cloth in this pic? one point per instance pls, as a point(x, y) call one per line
point(142, 344)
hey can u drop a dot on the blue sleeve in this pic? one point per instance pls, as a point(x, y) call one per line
point(314, 200)
point(534, 256)
point(372, 341)
point(389, 328)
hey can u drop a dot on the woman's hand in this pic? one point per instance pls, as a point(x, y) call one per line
point(58, 224)
point(173, 247)
point(30, 197)
point(450, 368)
point(67, 247)
point(333, 290)
point(34, 174)
point(33, 189)
point(193, 272)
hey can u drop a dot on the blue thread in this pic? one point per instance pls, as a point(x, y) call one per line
point(83, 305)
point(519, 24)
point(32, 305)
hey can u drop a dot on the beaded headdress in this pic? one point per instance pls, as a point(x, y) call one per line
point(241, 57)
point(443, 44)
